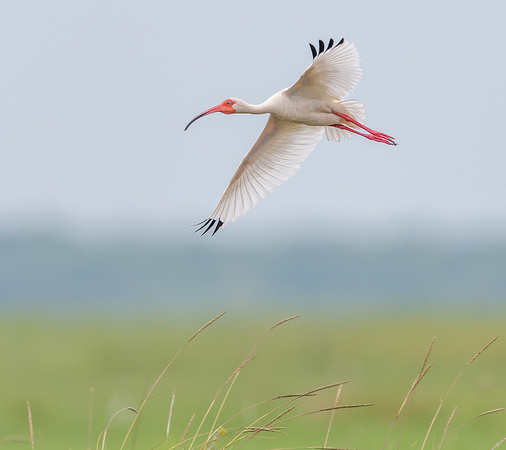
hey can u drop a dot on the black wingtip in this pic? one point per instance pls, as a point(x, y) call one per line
point(313, 50)
point(213, 221)
point(218, 226)
point(203, 223)
point(321, 47)
point(208, 224)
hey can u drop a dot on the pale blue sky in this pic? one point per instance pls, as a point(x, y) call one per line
point(95, 96)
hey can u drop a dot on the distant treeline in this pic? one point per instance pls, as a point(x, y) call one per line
point(61, 273)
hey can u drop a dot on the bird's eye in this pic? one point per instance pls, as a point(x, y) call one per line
point(228, 103)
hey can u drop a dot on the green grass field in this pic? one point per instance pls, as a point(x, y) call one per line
point(77, 373)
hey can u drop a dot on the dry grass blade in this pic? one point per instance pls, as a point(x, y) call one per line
point(332, 415)
point(232, 378)
point(236, 371)
point(30, 424)
point(311, 393)
point(202, 328)
point(186, 431)
point(128, 408)
point(255, 405)
point(429, 350)
point(90, 418)
point(482, 350)
point(410, 392)
point(498, 444)
point(284, 413)
point(486, 413)
point(451, 388)
point(448, 424)
point(165, 370)
point(423, 371)
point(293, 396)
point(281, 322)
point(408, 404)
point(331, 408)
point(242, 434)
point(170, 414)
point(259, 429)
point(270, 422)
point(319, 389)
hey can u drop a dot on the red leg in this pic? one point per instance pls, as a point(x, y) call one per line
point(373, 136)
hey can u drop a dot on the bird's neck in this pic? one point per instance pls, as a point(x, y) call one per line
point(248, 108)
point(271, 105)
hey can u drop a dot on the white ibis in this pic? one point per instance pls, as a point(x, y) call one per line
point(298, 117)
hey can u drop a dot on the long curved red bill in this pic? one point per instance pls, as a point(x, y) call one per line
point(205, 113)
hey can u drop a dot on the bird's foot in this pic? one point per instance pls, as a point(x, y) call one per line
point(377, 136)
point(373, 135)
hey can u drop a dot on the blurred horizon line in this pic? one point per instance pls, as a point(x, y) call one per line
point(410, 231)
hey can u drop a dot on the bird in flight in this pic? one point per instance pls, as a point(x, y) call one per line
point(298, 117)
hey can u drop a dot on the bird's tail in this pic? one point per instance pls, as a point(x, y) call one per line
point(354, 109)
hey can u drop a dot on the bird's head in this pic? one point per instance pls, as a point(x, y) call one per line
point(228, 106)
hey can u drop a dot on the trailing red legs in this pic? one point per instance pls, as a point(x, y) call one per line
point(374, 135)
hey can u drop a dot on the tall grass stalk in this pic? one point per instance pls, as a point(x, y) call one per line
point(165, 370)
point(499, 443)
point(452, 386)
point(267, 422)
point(30, 424)
point(271, 421)
point(407, 400)
point(332, 415)
point(171, 409)
point(423, 371)
point(445, 436)
point(90, 418)
point(104, 433)
point(186, 431)
point(235, 374)
point(448, 424)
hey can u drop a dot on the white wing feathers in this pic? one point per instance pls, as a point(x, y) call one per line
point(276, 156)
point(333, 74)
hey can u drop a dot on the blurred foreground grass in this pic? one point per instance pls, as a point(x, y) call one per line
point(77, 373)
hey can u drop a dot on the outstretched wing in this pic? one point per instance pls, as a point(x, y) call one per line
point(333, 74)
point(275, 157)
